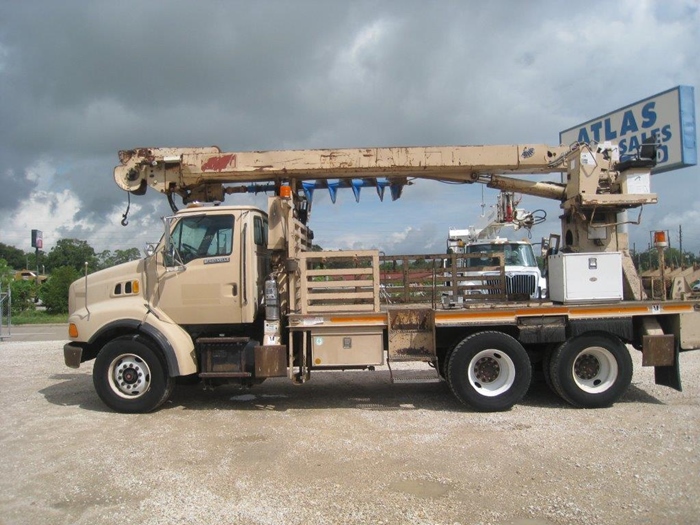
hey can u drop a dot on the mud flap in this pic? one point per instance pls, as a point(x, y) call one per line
point(670, 376)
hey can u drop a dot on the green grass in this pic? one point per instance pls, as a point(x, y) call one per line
point(38, 317)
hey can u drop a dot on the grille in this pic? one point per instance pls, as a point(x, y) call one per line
point(520, 284)
point(515, 284)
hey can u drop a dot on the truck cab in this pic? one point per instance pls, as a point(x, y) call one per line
point(523, 279)
point(205, 278)
point(210, 267)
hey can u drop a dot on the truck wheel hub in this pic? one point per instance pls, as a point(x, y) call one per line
point(487, 370)
point(129, 376)
point(587, 366)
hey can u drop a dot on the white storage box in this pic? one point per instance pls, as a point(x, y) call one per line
point(634, 182)
point(585, 277)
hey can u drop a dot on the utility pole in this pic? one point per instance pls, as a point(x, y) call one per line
point(680, 242)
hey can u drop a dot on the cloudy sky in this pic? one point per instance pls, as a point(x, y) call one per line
point(80, 80)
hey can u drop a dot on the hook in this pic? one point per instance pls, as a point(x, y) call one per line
point(126, 213)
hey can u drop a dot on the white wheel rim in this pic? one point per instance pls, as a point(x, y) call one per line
point(594, 370)
point(129, 376)
point(491, 372)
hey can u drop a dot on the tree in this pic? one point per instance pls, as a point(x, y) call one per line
point(73, 253)
point(23, 293)
point(7, 274)
point(649, 259)
point(54, 292)
point(108, 259)
point(32, 262)
point(14, 257)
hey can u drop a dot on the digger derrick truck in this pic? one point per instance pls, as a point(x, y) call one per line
point(234, 294)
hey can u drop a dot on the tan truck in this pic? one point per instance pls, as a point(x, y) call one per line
point(234, 294)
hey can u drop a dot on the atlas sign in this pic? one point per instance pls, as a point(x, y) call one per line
point(670, 116)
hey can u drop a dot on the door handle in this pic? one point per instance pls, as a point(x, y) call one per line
point(235, 289)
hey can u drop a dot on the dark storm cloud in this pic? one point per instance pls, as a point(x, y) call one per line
point(81, 80)
point(83, 74)
point(15, 188)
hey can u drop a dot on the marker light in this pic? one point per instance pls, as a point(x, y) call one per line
point(286, 192)
point(72, 330)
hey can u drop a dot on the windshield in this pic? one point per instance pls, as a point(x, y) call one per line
point(514, 254)
point(203, 236)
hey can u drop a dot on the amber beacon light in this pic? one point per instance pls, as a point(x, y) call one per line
point(660, 240)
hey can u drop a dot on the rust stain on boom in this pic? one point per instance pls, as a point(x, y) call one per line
point(220, 162)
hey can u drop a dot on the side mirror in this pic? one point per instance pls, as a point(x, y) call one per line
point(552, 244)
point(169, 255)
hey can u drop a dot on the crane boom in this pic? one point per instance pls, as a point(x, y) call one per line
point(183, 170)
point(594, 174)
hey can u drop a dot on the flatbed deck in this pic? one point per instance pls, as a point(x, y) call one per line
point(495, 313)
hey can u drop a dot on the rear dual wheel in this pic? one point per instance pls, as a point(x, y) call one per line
point(489, 371)
point(590, 371)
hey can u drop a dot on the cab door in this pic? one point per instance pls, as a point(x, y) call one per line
point(199, 281)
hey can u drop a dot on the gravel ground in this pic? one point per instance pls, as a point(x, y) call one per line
point(344, 448)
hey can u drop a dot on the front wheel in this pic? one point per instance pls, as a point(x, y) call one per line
point(591, 371)
point(489, 371)
point(129, 376)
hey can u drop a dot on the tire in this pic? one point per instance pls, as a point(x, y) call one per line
point(489, 371)
point(591, 371)
point(443, 360)
point(546, 367)
point(442, 366)
point(131, 377)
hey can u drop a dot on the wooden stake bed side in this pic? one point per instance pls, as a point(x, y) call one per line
point(363, 289)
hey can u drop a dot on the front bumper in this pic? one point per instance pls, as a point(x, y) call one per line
point(72, 354)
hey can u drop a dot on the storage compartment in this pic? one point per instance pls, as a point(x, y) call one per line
point(585, 277)
point(349, 346)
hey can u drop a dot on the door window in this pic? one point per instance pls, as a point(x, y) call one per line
point(260, 231)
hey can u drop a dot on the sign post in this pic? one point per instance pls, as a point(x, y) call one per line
point(37, 244)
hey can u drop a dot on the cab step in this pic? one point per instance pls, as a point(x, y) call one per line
point(219, 375)
point(413, 372)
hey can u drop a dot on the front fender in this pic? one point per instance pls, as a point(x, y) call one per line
point(180, 354)
point(175, 343)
